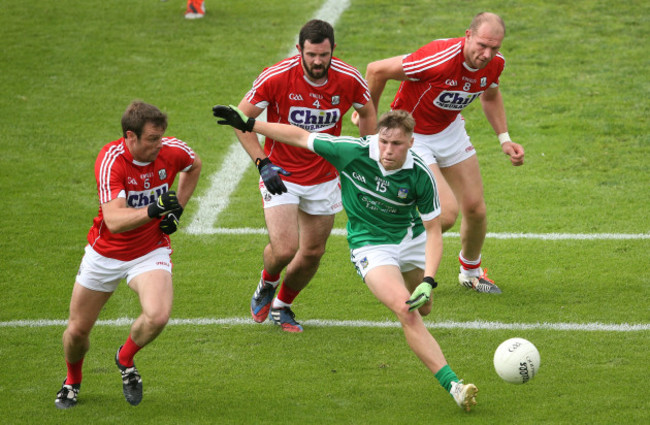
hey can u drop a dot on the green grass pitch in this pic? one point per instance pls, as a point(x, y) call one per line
point(576, 95)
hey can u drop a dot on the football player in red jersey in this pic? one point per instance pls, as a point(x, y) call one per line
point(312, 90)
point(438, 81)
point(129, 239)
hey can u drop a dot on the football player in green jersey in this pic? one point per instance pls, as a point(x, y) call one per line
point(394, 232)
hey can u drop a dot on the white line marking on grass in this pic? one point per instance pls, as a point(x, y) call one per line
point(475, 325)
point(227, 178)
point(540, 236)
point(222, 184)
point(569, 236)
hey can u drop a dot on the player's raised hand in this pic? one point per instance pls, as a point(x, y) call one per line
point(169, 224)
point(165, 203)
point(270, 176)
point(232, 116)
point(422, 293)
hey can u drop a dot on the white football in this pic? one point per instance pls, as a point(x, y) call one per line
point(516, 360)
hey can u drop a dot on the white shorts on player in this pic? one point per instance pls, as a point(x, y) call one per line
point(447, 148)
point(103, 274)
point(407, 255)
point(319, 199)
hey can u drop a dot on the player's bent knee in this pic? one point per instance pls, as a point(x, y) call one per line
point(284, 256)
point(158, 321)
point(313, 257)
point(77, 334)
point(476, 211)
point(448, 218)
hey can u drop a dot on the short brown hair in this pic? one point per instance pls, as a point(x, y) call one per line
point(139, 113)
point(397, 119)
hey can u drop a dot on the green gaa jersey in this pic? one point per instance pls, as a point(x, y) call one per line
point(382, 205)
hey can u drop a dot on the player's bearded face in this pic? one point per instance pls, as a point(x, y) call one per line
point(316, 59)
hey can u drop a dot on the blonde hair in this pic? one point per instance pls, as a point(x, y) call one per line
point(487, 17)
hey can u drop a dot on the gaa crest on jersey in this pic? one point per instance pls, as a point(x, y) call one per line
point(483, 81)
point(402, 193)
point(336, 100)
point(314, 120)
point(162, 174)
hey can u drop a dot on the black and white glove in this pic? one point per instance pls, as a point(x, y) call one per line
point(169, 223)
point(165, 203)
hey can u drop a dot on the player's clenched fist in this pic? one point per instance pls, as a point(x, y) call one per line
point(169, 224)
point(165, 203)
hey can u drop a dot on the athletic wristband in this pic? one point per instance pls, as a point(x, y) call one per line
point(504, 137)
point(431, 281)
point(259, 162)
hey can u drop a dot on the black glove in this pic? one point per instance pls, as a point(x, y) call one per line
point(270, 177)
point(165, 203)
point(169, 224)
point(234, 117)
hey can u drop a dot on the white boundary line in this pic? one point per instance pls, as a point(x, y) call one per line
point(540, 236)
point(472, 325)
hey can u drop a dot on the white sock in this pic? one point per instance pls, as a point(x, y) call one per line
point(470, 268)
point(279, 304)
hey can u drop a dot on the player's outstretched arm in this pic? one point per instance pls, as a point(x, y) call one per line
point(249, 140)
point(284, 133)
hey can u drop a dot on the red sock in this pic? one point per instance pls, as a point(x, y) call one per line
point(127, 352)
point(269, 277)
point(74, 372)
point(469, 264)
point(286, 294)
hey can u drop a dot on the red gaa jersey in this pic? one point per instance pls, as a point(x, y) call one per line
point(118, 175)
point(290, 98)
point(441, 85)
